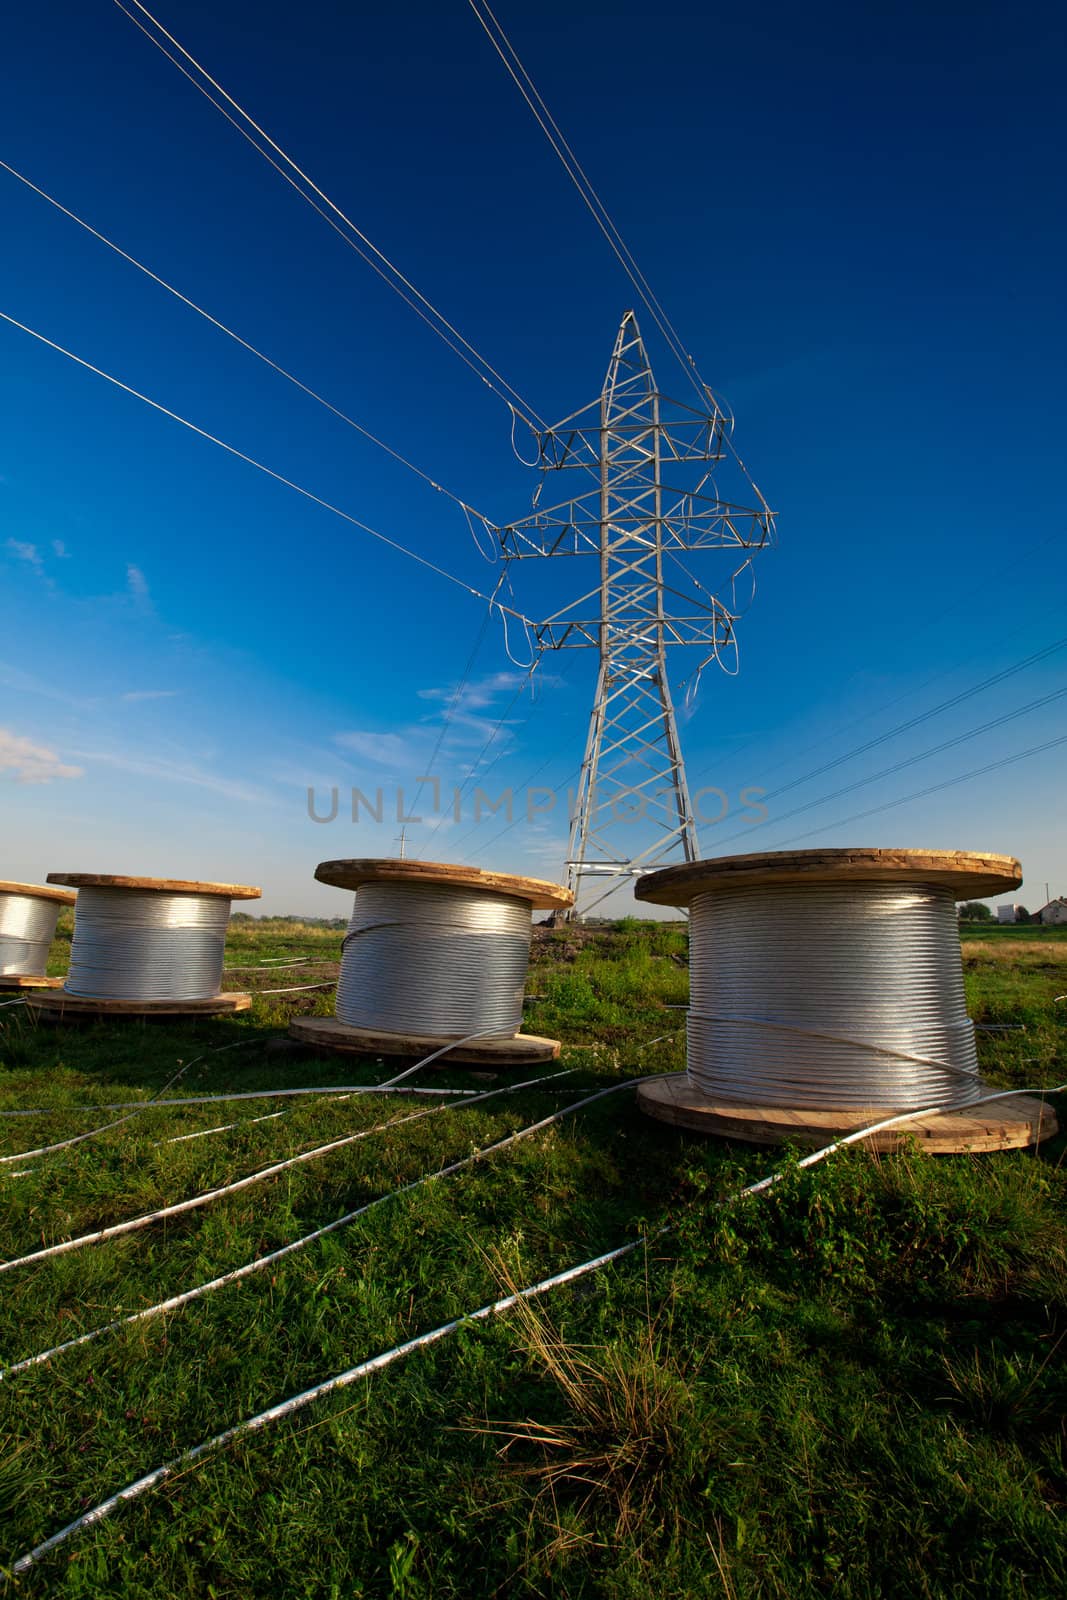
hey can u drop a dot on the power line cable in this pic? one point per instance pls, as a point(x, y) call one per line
point(269, 472)
point(333, 214)
point(578, 176)
point(268, 361)
point(898, 766)
point(938, 616)
point(934, 788)
point(925, 716)
point(519, 75)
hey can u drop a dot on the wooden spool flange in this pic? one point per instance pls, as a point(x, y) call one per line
point(541, 894)
point(112, 880)
point(38, 891)
point(22, 980)
point(71, 1007)
point(967, 873)
point(1004, 1125)
point(327, 1033)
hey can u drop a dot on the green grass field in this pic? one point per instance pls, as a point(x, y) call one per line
point(856, 1385)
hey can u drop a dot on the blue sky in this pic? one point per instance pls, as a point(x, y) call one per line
point(852, 215)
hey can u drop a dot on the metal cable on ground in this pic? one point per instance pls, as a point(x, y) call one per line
point(261, 1262)
point(269, 472)
point(342, 1090)
point(139, 1107)
point(181, 1207)
point(830, 997)
point(27, 928)
point(435, 959)
point(422, 1341)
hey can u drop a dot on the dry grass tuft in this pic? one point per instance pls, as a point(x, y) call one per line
point(602, 1473)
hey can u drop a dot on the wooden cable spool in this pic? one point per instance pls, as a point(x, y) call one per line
point(63, 1004)
point(437, 892)
point(26, 969)
point(740, 882)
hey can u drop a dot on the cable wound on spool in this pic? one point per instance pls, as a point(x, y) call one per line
point(830, 980)
point(436, 951)
point(148, 939)
point(436, 959)
point(830, 997)
point(27, 928)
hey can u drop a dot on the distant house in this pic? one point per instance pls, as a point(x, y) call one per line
point(1054, 912)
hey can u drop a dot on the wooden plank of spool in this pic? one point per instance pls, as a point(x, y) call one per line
point(38, 891)
point(1005, 1125)
point(58, 1003)
point(969, 874)
point(541, 894)
point(23, 980)
point(111, 880)
point(326, 1033)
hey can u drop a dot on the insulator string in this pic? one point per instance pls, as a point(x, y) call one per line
point(435, 959)
point(147, 944)
point(830, 996)
point(27, 928)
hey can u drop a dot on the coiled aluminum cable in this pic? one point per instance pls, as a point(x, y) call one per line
point(435, 959)
point(830, 997)
point(27, 928)
point(147, 944)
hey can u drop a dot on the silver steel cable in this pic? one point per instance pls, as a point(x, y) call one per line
point(27, 928)
point(830, 996)
point(435, 959)
point(147, 944)
point(297, 1402)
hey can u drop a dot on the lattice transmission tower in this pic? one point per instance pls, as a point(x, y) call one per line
point(652, 504)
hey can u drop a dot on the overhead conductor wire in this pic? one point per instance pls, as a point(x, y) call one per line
point(268, 361)
point(269, 472)
point(328, 209)
point(422, 1341)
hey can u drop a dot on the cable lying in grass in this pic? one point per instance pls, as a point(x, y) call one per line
point(65, 1144)
point(134, 1224)
point(146, 1105)
point(277, 964)
point(297, 988)
point(339, 1089)
point(261, 1262)
point(342, 1380)
point(204, 1133)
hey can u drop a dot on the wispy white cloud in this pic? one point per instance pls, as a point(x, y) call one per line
point(25, 683)
point(137, 584)
point(466, 713)
point(151, 694)
point(165, 770)
point(26, 762)
point(60, 550)
point(383, 749)
point(28, 553)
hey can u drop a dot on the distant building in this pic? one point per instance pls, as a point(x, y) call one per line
point(1055, 912)
point(1006, 913)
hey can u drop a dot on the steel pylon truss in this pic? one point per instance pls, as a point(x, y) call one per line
point(653, 502)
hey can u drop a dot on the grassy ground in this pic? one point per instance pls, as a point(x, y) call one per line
point(854, 1385)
